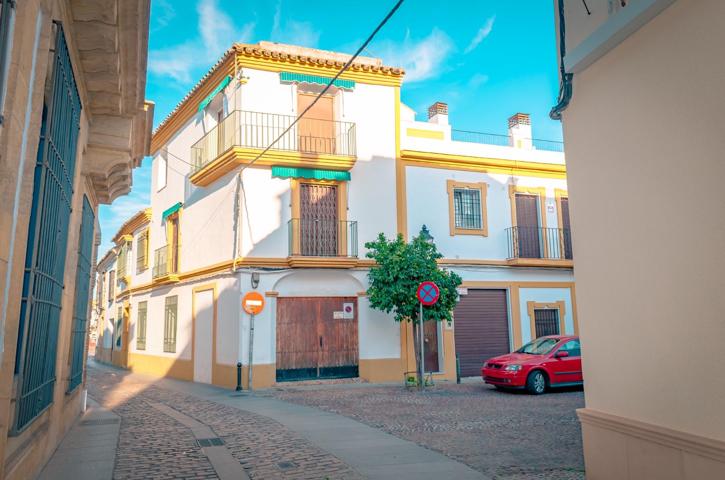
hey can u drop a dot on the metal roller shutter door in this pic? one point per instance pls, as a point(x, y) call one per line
point(481, 328)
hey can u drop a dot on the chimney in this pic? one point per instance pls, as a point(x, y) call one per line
point(520, 131)
point(438, 113)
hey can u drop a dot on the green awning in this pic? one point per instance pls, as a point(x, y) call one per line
point(222, 85)
point(305, 78)
point(172, 210)
point(314, 173)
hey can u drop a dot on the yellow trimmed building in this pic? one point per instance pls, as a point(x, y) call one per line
point(291, 224)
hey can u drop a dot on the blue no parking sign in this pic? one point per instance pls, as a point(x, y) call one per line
point(428, 293)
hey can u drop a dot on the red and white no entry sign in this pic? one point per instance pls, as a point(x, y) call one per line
point(428, 293)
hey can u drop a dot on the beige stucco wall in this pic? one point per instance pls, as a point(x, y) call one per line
point(645, 141)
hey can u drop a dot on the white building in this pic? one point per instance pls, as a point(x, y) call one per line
point(293, 222)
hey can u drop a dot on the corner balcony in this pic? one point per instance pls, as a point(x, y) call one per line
point(242, 135)
point(166, 265)
point(322, 243)
point(529, 245)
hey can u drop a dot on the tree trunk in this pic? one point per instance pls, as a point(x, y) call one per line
point(417, 325)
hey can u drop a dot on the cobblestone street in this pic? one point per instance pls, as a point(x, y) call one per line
point(154, 445)
point(511, 436)
point(501, 435)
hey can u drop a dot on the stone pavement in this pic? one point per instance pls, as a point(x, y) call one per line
point(511, 436)
point(163, 422)
point(88, 451)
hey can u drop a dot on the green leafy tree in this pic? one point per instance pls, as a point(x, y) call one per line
point(400, 268)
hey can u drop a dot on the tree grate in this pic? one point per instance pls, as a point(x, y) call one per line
point(210, 442)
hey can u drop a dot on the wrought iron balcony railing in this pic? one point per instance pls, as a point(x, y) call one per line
point(322, 238)
point(166, 261)
point(504, 140)
point(537, 242)
point(258, 130)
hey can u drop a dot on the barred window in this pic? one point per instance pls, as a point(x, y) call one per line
point(141, 325)
point(111, 285)
point(119, 325)
point(170, 320)
point(467, 208)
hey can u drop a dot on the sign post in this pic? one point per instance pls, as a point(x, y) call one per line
point(252, 303)
point(428, 294)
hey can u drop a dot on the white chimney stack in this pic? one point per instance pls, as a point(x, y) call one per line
point(438, 113)
point(520, 131)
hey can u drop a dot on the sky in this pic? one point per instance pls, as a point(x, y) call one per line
point(487, 59)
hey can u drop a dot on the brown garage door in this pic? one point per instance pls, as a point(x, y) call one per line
point(481, 328)
point(315, 339)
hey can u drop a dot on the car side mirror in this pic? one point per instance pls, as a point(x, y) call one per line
point(561, 354)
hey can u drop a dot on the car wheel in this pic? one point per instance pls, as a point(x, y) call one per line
point(536, 383)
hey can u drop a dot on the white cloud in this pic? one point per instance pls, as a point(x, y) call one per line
point(293, 32)
point(162, 12)
point(421, 59)
point(477, 80)
point(217, 31)
point(481, 35)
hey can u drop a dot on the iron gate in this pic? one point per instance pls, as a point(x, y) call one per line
point(47, 241)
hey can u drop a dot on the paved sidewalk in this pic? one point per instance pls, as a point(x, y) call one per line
point(270, 438)
point(88, 451)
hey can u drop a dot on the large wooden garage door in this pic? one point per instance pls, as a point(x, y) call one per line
point(316, 338)
point(481, 328)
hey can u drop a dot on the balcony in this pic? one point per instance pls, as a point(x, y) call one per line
point(504, 140)
point(330, 243)
point(166, 264)
point(242, 135)
point(539, 243)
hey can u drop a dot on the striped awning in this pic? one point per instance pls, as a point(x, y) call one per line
point(172, 210)
point(222, 85)
point(290, 77)
point(310, 173)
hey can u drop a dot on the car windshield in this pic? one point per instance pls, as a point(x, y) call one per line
point(540, 346)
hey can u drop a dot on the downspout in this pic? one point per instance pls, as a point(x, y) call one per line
point(565, 85)
point(21, 169)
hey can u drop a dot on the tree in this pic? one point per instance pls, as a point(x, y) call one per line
point(400, 268)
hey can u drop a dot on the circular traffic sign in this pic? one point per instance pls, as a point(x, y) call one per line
point(253, 303)
point(428, 293)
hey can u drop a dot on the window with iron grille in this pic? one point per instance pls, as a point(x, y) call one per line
point(118, 330)
point(170, 318)
point(82, 286)
point(467, 208)
point(142, 253)
point(99, 290)
point(47, 243)
point(141, 325)
point(122, 263)
point(546, 321)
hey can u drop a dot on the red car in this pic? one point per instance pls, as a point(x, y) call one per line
point(551, 361)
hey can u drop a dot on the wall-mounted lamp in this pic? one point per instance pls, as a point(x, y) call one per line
point(255, 279)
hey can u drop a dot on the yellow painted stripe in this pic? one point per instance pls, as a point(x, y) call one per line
point(421, 133)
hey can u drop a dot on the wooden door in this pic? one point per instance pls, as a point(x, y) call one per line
point(431, 349)
point(566, 228)
point(527, 226)
point(480, 322)
point(319, 224)
point(173, 252)
point(315, 339)
point(220, 131)
point(316, 130)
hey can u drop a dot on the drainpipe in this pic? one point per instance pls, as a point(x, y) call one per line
point(22, 156)
point(566, 87)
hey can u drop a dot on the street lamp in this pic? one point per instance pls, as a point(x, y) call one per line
point(425, 234)
point(255, 279)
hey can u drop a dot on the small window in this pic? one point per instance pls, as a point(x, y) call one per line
point(111, 285)
point(467, 208)
point(141, 325)
point(546, 321)
point(161, 172)
point(170, 316)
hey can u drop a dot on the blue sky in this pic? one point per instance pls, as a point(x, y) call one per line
point(487, 59)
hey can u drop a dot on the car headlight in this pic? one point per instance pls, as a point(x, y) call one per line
point(512, 368)
point(485, 365)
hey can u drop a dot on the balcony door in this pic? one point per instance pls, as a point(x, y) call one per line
point(316, 130)
point(319, 220)
point(527, 222)
point(566, 228)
